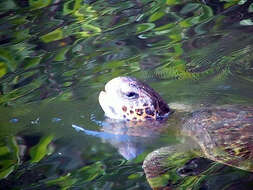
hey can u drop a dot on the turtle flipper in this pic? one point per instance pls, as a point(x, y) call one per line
point(170, 168)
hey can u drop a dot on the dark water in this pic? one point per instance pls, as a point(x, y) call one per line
point(55, 57)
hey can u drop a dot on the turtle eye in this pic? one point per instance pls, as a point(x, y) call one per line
point(132, 95)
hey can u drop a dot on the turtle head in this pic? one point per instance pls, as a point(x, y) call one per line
point(130, 99)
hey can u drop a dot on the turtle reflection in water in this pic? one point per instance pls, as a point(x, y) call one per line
point(224, 134)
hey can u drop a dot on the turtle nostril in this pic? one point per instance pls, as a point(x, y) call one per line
point(112, 110)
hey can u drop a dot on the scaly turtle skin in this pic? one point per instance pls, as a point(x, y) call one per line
point(225, 134)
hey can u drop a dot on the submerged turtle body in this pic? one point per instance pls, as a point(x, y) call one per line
point(225, 134)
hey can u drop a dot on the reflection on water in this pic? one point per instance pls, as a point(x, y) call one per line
point(129, 138)
point(128, 146)
point(55, 56)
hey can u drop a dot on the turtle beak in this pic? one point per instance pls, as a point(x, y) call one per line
point(105, 102)
point(101, 98)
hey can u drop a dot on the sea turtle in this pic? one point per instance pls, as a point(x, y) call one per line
point(130, 99)
point(223, 133)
